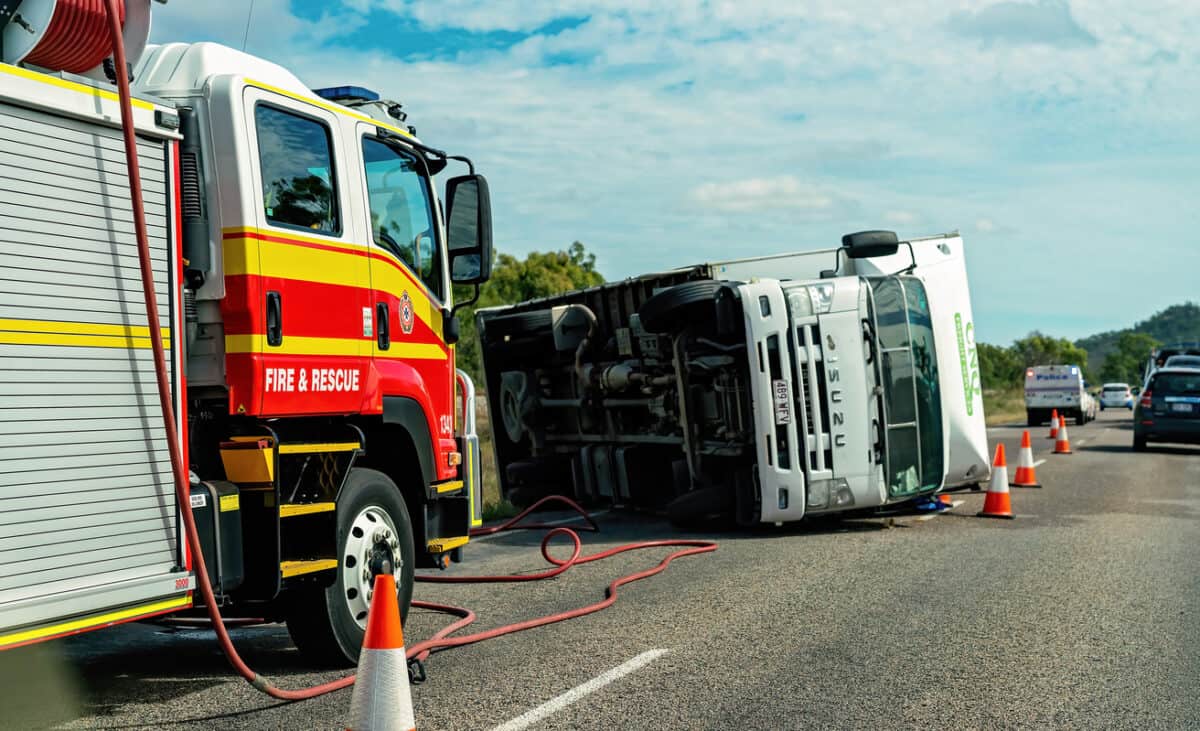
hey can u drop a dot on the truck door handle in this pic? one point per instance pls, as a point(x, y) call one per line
point(383, 330)
point(274, 319)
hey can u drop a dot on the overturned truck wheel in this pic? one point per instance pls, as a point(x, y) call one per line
point(670, 310)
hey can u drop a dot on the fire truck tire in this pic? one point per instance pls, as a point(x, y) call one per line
point(374, 528)
point(669, 310)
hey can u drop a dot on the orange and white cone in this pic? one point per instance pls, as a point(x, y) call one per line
point(1062, 444)
point(1025, 476)
point(382, 700)
point(996, 504)
point(1053, 424)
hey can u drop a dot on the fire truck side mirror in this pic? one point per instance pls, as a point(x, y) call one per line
point(469, 229)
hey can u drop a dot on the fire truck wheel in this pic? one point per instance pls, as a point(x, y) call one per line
point(374, 534)
point(669, 310)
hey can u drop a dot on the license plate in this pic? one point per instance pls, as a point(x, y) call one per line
point(783, 402)
point(1185, 408)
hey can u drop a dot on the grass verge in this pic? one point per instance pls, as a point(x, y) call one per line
point(1004, 405)
point(495, 507)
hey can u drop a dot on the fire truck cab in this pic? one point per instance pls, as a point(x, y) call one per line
point(306, 271)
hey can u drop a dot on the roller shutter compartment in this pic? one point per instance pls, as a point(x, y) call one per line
point(88, 517)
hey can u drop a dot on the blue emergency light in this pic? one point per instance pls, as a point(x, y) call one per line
point(344, 94)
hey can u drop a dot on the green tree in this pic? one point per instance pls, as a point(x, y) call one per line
point(1125, 362)
point(1040, 349)
point(999, 367)
point(540, 274)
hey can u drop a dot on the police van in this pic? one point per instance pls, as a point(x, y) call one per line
point(1061, 388)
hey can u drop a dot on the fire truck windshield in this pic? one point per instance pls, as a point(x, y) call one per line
point(912, 398)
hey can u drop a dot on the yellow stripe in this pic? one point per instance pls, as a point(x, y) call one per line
point(79, 328)
point(452, 486)
point(332, 346)
point(70, 85)
point(317, 101)
point(349, 269)
point(78, 334)
point(441, 545)
point(318, 448)
point(78, 341)
point(88, 622)
point(291, 510)
point(296, 568)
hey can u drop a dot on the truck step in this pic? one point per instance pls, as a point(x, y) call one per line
point(290, 510)
point(318, 447)
point(289, 569)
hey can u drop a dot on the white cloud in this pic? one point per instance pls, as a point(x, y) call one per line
point(761, 194)
point(679, 117)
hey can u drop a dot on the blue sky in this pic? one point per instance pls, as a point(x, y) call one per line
point(1062, 139)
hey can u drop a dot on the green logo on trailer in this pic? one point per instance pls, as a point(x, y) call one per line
point(968, 360)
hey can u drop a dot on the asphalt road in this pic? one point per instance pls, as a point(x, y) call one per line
point(1080, 613)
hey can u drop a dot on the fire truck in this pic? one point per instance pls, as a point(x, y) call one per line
point(303, 266)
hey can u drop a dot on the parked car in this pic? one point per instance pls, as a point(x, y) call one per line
point(1160, 356)
point(1116, 396)
point(1169, 409)
point(1183, 361)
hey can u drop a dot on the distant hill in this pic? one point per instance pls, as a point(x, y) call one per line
point(1174, 324)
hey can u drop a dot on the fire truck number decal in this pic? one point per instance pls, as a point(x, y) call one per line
point(783, 402)
point(315, 380)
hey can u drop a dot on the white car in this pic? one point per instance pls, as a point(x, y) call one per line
point(1116, 396)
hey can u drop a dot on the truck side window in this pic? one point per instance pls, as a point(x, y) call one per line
point(401, 210)
point(296, 157)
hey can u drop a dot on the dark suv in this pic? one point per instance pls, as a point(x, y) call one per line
point(1169, 408)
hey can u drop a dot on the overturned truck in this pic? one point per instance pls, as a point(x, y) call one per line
point(764, 390)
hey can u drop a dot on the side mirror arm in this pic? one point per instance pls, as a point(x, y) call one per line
point(460, 305)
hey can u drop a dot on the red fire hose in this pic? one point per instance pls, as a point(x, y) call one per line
point(442, 639)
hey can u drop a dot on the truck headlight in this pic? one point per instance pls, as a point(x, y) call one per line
point(830, 494)
point(799, 302)
point(822, 297)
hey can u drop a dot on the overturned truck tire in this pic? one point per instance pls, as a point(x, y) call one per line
point(671, 309)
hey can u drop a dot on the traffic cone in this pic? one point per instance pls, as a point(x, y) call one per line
point(1025, 476)
point(1054, 424)
point(382, 700)
point(1062, 445)
point(996, 504)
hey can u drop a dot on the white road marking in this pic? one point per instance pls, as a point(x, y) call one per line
point(554, 705)
point(1039, 463)
point(572, 519)
point(1080, 441)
